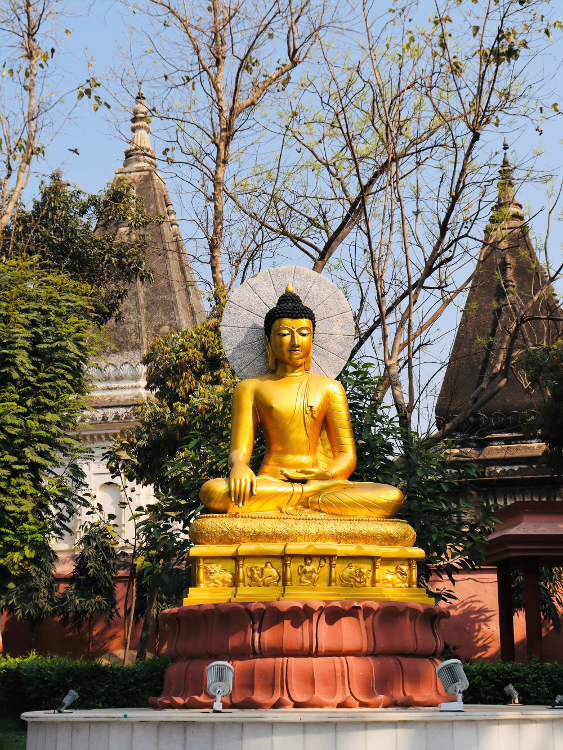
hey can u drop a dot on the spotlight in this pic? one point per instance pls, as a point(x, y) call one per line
point(67, 701)
point(453, 679)
point(219, 681)
point(509, 690)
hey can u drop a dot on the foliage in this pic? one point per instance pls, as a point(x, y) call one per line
point(191, 381)
point(100, 240)
point(536, 684)
point(34, 594)
point(40, 682)
point(66, 265)
point(205, 450)
point(214, 98)
point(451, 523)
point(385, 178)
point(551, 593)
point(161, 575)
point(161, 572)
point(543, 368)
point(46, 343)
point(187, 372)
point(172, 582)
point(91, 589)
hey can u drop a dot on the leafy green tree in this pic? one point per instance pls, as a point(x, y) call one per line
point(99, 239)
point(65, 265)
point(161, 577)
point(191, 380)
point(47, 339)
point(451, 522)
point(543, 369)
point(192, 383)
point(91, 589)
point(34, 596)
point(551, 594)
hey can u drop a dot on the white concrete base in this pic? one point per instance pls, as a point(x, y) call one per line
point(478, 728)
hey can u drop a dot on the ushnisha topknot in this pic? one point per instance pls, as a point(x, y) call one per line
point(289, 305)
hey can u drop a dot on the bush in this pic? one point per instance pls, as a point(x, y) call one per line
point(35, 683)
point(537, 684)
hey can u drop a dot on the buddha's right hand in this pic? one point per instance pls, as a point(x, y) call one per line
point(242, 484)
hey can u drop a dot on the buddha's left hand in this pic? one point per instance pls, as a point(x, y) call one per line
point(303, 475)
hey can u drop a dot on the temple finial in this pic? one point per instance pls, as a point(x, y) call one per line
point(506, 184)
point(505, 162)
point(289, 289)
point(140, 146)
point(511, 209)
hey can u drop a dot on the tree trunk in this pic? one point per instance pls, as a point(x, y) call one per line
point(32, 633)
point(157, 636)
point(29, 45)
point(90, 636)
point(216, 239)
point(400, 405)
point(149, 617)
point(129, 620)
point(1, 644)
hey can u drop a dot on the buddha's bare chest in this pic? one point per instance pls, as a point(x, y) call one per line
point(283, 402)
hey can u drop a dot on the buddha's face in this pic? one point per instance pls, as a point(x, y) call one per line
point(291, 341)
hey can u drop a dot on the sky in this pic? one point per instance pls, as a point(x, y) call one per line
point(99, 137)
point(95, 37)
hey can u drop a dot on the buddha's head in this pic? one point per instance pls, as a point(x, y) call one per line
point(289, 329)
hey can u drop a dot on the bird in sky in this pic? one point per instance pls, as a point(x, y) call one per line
point(74, 151)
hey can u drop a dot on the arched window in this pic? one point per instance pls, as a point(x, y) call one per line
point(109, 496)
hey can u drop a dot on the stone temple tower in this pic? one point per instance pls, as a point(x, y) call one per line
point(171, 303)
point(529, 532)
point(508, 272)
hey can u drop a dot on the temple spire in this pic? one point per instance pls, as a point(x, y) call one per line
point(507, 208)
point(139, 150)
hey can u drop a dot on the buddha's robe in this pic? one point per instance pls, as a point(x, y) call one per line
point(306, 424)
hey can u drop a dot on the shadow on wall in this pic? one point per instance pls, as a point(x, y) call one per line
point(473, 627)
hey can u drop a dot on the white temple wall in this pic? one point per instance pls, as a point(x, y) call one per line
point(104, 489)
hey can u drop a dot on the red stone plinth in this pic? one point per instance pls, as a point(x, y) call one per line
point(306, 654)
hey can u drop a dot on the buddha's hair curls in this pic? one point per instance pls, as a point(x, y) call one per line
point(289, 306)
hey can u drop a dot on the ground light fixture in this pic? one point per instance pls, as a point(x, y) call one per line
point(219, 681)
point(67, 701)
point(509, 690)
point(453, 679)
point(557, 702)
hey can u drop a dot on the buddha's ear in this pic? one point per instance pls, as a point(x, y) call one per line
point(271, 358)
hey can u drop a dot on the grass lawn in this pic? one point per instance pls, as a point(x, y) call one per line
point(12, 734)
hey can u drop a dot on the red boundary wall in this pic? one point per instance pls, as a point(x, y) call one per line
point(472, 628)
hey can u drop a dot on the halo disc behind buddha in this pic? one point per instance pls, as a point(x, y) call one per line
point(242, 327)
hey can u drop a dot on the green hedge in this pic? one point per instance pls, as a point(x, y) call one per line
point(35, 683)
point(38, 683)
point(537, 684)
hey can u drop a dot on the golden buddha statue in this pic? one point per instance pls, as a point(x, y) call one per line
point(299, 529)
point(310, 450)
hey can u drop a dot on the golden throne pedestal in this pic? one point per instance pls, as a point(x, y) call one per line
point(255, 557)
